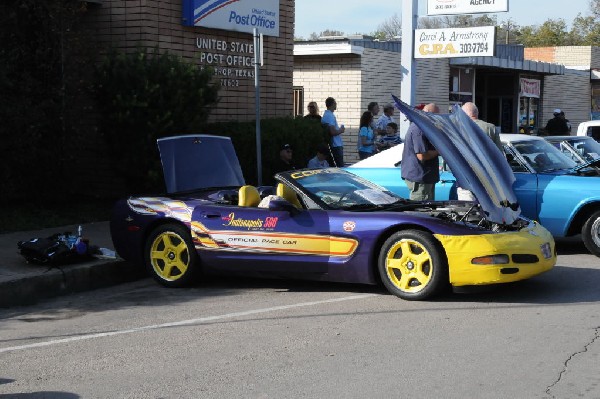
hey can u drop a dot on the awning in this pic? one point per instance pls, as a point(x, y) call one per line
point(507, 63)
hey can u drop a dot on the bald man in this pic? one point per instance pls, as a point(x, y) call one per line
point(473, 112)
point(420, 163)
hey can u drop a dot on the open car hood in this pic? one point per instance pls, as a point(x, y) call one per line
point(474, 159)
point(193, 162)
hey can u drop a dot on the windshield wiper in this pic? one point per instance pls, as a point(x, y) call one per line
point(362, 207)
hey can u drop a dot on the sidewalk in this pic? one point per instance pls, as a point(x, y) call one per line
point(23, 283)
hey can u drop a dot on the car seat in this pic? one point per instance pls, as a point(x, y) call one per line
point(248, 196)
point(289, 194)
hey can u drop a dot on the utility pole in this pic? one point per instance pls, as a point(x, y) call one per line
point(409, 23)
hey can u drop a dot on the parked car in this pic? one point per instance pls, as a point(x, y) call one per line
point(322, 224)
point(590, 129)
point(550, 187)
point(584, 150)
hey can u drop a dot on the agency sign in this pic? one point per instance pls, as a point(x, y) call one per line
point(235, 15)
point(445, 7)
point(455, 42)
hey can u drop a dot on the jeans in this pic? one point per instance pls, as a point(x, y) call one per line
point(338, 156)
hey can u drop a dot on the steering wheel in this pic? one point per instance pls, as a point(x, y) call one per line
point(343, 196)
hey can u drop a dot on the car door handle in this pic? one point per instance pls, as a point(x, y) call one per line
point(209, 215)
point(447, 181)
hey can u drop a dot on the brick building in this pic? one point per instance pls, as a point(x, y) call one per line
point(127, 25)
point(578, 91)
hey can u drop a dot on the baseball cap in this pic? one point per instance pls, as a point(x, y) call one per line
point(286, 147)
point(557, 111)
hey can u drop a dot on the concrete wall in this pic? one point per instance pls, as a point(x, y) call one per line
point(432, 82)
point(576, 106)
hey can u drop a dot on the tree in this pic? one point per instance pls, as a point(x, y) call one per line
point(326, 32)
point(553, 32)
point(389, 29)
point(41, 49)
point(456, 21)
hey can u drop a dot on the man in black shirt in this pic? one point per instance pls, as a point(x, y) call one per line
point(557, 126)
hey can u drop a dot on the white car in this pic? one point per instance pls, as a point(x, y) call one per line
point(589, 128)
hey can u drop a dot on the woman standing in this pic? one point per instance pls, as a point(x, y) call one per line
point(366, 137)
point(313, 111)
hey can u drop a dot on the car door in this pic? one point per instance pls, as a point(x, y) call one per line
point(262, 240)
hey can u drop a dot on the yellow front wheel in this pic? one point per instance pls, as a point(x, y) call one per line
point(412, 265)
point(170, 256)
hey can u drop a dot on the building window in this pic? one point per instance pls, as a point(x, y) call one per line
point(461, 85)
point(298, 101)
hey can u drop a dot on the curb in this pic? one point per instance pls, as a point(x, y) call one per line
point(65, 280)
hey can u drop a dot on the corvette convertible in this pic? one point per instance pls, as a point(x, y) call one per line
point(325, 224)
point(549, 186)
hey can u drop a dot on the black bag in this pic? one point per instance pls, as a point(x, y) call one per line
point(54, 250)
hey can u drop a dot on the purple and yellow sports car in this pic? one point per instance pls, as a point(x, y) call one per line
point(325, 224)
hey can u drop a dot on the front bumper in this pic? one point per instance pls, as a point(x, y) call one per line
point(531, 251)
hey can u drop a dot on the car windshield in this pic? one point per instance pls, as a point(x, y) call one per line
point(588, 149)
point(543, 156)
point(337, 189)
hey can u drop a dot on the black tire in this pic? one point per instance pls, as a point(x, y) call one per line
point(171, 257)
point(412, 265)
point(591, 233)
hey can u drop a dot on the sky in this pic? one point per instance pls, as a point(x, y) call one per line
point(360, 16)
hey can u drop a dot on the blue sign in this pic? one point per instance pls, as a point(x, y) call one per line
point(235, 15)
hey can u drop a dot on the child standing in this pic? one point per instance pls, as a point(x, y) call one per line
point(390, 139)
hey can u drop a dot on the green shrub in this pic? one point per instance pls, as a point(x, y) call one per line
point(143, 97)
point(35, 85)
point(301, 134)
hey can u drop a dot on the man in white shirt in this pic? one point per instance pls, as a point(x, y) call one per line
point(335, 132)
point(386, 118)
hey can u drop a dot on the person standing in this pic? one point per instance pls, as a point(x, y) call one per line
point(557, 125)
point(373, 108)
point(562, 115)
point(319, 161)
point(420, 162)
point(335, 132)
point(366, 136)
point(385, 119)
point(313, 112)
point(473, 112)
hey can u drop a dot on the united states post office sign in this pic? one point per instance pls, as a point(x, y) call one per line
point(447, 7)
point(233, 15)
point(455, 42)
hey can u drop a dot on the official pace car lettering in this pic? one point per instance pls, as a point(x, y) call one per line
point(270, 242)
point(161, 206)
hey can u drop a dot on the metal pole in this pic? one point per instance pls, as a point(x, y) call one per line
point(409, 23)
point(257, 58)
